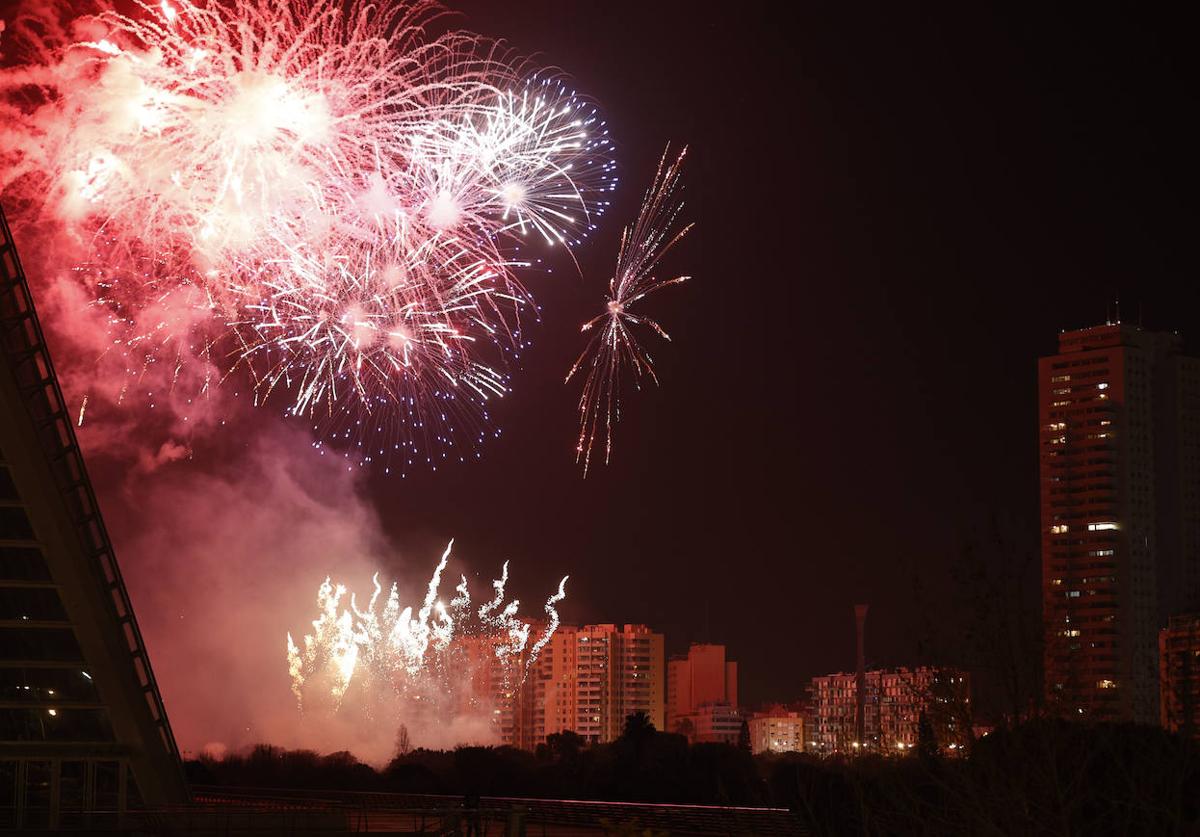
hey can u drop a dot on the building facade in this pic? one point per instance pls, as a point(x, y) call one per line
point(1179, 675)
point(589, 679)
point(1119, 451)
point(777, 730)
point(895, 701)
point(552, 686)
point(490, 685)
point(83, 731)
point(714, 723)
point(701, 691)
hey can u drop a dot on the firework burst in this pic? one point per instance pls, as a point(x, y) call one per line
point(437, 648)
point(537, 161)
point(325, 195)
point(384, 343)
point(614, 349)
point(208, 126)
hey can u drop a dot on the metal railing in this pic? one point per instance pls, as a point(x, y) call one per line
point(493, 814)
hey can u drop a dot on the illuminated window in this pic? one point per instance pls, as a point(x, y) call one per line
point(1060, 378)
point(1101, 526)
point(1106, 684)
point(1101, 386)
point(1059, 528)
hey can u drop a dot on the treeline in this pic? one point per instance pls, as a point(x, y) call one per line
point(1044, 777)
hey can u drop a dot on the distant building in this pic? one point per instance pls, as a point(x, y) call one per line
point(777, 730)
point(1179, 675)
point(714, 723)
point(1119, 447)
point(895, 700)
point(588, 680)
point(489, 685)
point(620, 672)
point(552, 686)
point(702, 681)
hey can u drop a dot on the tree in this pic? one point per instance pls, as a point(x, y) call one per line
point(991, 624)
point(685, 727)
point(564, 746)
point(744, 736)
point(927, 745)
point(403, 744)
point(638, 727)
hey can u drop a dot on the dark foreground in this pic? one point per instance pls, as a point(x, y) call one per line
point(1043, 778)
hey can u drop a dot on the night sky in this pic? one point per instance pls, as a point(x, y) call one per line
point(898, 210)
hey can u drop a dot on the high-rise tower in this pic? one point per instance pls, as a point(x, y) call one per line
point(1120, 511)
point(80, 712)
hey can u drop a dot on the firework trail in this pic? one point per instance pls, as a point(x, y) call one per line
point(322, 193)
point(614, 348)
point(386, 650)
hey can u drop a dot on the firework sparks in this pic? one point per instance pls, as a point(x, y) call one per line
point(535, 161)
point(207, 126)
point(389, 340)
point(384, 649)
point(614, 349)
point(324, 187)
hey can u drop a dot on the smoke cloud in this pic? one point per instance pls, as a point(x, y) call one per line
point(225, 518)
point(225, 521)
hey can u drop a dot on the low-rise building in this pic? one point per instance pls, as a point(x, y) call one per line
point(894, 703)
point(1179, 675)
point(777, 730)
point(713, 723)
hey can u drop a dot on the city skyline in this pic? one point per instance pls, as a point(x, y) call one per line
point(815, 455)
point(891, 251)
point(685, 338)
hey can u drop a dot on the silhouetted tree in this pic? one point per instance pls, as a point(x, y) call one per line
point(403, 744)
point(638, 726)
point(565, 745)
point(684, 726)
point(1044, 777)
point(406, 777)
point(744, 736)
point(991, 624)
point(927, 744)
